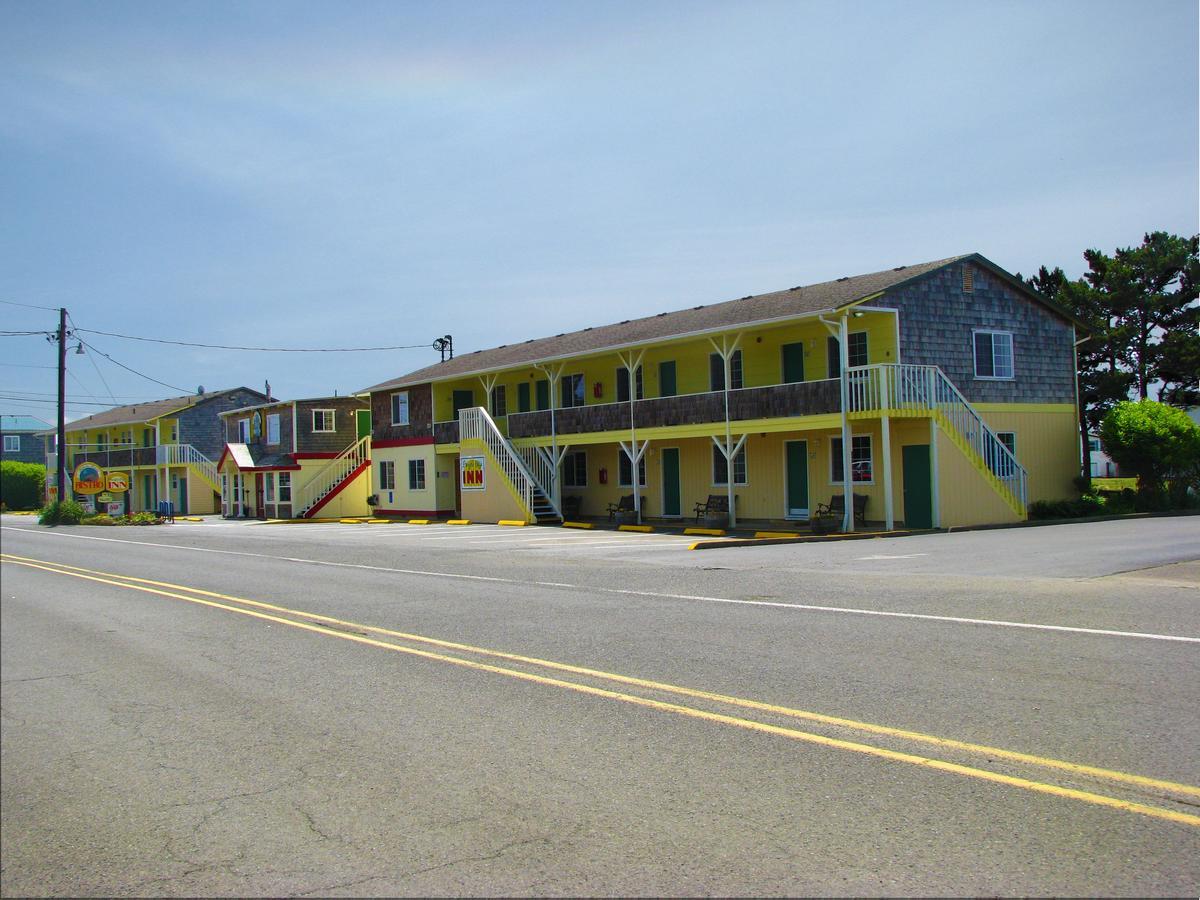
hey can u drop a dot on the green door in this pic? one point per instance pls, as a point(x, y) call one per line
point(543, 394)
point(523, 397)
point(363, 418)
point(918, 487)
point(670, 476)
point(666, 381)
point(797, 478)
point(463, 400)
point(793, 363)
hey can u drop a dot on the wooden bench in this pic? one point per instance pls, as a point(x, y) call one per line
point(625, 505)
point(836, 507)
point(716, 505)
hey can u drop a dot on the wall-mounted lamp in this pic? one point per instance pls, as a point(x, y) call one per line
point(858, 314)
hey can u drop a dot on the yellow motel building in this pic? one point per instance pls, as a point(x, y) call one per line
point(147, 452)
point(939, 394)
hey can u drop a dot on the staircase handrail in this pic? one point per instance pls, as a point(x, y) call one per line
point(475, 422)
point(899, 386)
point(188, 455)
point(332, 474)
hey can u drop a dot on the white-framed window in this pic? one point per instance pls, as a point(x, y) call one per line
point(575, 469)
point(416, 474)
point(856, 348)
point(285, 487)
point(993, 354)
point(387, 475)
point(323, 420)
point(720, 469)
point(862, 464)
point(269, 487)
point(243, 431)
point(572, 390)
point(1000, 464)
point(625, 470)
point(623, 384)
point(273, 428)
point(716, 371)
point(499, 401)
point(400, 408)
point(12, 443)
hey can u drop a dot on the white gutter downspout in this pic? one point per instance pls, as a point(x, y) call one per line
point(295, 432)
point(847, 475)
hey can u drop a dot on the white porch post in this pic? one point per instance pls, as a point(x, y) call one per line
point(553, 374)
point(847, 437)
point(632, 363)
point(635, 452)
point(726, 349)
point(889, 514)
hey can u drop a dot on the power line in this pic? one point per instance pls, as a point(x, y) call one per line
point(53, 402)
point(30, 305)
point(26, 366)
point(130, 337)
point(127, 368)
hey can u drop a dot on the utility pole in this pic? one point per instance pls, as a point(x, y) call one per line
point(61, 455)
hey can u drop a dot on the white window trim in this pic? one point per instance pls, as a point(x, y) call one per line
point(1012, 355)
point(280, 486)
point(269, 487)
point(243, 431)
point(424, 476)
point(332, 421)
point(404, 421)
point(272, 419)
point(582, 396)
point(387, 466)
point(572, 454)
point(866, 348)
point(12, 443)
point(642, 475)
point(833, 457)
point(729, 465)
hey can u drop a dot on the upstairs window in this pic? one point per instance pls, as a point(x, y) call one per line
point(243, 431)
point(323, 420)
point(623, 384)
point(993, 354)
point(499, 401)
point(273, 428)
point(400, 408)
point(833, 357)
point(716, 371)
point(856, 348)
point(572, 390)
point(523, 397)
point(147, 437)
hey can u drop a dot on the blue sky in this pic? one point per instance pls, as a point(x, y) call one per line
point(362, 174)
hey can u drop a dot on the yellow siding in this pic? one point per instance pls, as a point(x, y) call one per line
point(1047, 446)
point(402, 497)
point(964, 496)
point(498, 501)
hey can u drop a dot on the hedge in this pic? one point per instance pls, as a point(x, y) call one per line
point(21, 484)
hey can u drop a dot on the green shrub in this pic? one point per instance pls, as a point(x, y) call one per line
point(144, 518)
point(21, 484)
point(100, 519)
point(1087, 505)
point(1157, 443)
point(64, 512)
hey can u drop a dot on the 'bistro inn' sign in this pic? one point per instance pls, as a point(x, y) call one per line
point(88, 478)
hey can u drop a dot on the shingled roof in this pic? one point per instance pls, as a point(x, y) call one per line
point(142, 412)
point(826, 296)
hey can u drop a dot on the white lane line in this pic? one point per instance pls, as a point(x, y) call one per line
point(807, 607)
point(893, 556)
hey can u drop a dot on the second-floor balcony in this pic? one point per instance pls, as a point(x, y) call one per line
point(805, 398)
point(115, 456)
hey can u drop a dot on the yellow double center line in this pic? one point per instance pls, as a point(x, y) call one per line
point(333, 627)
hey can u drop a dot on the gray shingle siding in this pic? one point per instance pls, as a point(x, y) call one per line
point(344, 422)
point(937, 321)
point(201, 425)
point(32, 449)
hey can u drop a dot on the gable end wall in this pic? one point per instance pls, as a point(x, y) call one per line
point(937, 319)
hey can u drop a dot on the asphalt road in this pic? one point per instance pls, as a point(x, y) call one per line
point(232, 709)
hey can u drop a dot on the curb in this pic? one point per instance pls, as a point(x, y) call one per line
point(803, 539)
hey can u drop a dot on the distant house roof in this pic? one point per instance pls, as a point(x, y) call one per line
point(145, 412)
point(245, 409)
point(827, 296)
point(10, 424)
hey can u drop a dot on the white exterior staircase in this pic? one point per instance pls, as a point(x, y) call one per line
point(340, 470)
point(188, 455)
point(904, 390)
point(529, 473)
